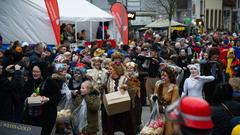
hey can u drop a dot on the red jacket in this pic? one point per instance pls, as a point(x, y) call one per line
point(223, 52)
point(234, 64)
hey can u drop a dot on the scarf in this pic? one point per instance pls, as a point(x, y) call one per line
point(228, 69)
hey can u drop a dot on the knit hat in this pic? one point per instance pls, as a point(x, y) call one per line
point(24, 44)
point(235, 121)
point(226, 41)
point(236, 130)
point(125, 47)
point(59, 67)
point(59, 59)
point(96, 59)
point(18, 49)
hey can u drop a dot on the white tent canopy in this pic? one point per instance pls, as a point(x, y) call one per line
point(80, 11)
point(27, 20)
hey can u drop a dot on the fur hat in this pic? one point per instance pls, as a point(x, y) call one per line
point(196, 66)
point(95, 59)
point(131, 64)
point(116, 56)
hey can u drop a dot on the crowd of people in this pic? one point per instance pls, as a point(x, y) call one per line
point(199, 72)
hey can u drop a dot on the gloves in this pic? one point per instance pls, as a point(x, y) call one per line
point(154, 98)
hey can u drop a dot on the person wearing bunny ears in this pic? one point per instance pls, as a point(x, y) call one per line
point(193, 85)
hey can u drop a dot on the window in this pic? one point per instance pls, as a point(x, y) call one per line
point(216, 20)
point(238, 1)
point(220, 19)
point(207, 18)
point(211, 19)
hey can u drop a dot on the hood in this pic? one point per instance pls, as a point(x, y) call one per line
point(231, 51)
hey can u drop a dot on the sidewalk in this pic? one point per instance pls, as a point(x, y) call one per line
point(145, 118)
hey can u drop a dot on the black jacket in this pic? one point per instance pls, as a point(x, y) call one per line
point(49, 88)
point(10, 91)
point(221, 117)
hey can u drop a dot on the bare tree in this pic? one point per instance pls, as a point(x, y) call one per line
point(160, 5)
point(170, 8)
point(153, 5)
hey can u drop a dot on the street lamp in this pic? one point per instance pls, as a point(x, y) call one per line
point(199, 23)
point(194, 22)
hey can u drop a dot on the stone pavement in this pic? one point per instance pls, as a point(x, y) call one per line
point(145, 118)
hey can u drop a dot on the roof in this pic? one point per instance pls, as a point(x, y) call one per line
point(161, 23)
point(141, 20)
point(28, 20)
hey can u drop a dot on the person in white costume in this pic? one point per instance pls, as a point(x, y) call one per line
point(193, 85)
point(98, 75)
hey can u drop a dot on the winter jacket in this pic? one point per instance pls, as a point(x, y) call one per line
point(93, 105)
point(222, 118)
point(48, 88)
point(234, 64)
point(237, 52)
point(9, 94)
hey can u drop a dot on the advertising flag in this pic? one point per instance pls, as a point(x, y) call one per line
point(120, 13)
point(53, 13)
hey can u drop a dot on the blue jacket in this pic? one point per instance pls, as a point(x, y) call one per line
point(237, 52)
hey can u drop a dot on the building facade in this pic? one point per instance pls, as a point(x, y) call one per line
point(213, 14)
point(236, 16)
point(230, 15)
point(203, 13)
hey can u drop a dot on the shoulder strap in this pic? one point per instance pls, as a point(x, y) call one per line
point(44, 83)
point(227, 109)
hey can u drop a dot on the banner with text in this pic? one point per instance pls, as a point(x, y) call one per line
point(10, 128)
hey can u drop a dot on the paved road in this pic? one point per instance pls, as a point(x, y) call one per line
point(145, 118)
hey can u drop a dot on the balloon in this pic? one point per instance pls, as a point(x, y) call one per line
point(188, 20)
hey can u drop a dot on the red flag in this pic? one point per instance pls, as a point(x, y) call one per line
point(116, 10)
point(53, 13)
